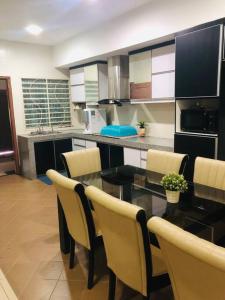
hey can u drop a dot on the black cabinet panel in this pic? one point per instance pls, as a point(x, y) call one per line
point(194, 146)
point(116, 156)
point(44, 156)
point(111, 156)
point(198, 63)
point(61, 146)
point(104, 154)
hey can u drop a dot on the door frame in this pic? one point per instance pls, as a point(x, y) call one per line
point(12, 122)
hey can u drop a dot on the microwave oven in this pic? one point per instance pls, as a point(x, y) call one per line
point(199, 120)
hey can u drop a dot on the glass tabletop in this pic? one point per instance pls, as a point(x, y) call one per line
point(201, 210)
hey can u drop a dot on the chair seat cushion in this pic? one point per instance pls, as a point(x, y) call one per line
point(97, 228)
point(159, 267)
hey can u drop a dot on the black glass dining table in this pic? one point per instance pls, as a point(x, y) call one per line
point(200, 210)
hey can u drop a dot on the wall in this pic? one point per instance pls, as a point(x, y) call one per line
point(156, 19)
point(159, 117)
point(18, 60)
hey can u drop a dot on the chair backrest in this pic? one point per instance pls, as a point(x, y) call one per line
point(125, 237)
point(165, 162)
point(210, 172)
point(76, 208)
point(82, 162)
point(196, 267)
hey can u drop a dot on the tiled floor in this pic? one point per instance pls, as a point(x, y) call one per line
point(29, 249)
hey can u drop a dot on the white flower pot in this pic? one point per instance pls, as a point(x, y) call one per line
point(173, 196)
point(141, 132)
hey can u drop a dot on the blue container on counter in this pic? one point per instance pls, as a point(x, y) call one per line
point(118, 130)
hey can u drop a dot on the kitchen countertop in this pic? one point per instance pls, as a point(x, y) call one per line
point(143, 143)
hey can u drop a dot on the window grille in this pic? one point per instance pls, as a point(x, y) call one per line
point(46, 102)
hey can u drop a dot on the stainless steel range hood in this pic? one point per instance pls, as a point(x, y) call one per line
point(118, 80)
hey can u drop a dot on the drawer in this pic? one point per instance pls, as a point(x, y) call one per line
point(77, 147)
point(144, 155)
point(90, 144)
point(79, 142)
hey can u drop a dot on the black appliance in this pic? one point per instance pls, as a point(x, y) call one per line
point(199, 120)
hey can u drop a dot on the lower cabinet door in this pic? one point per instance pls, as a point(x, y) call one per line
point(116, 156)
point(111, 156)
point(44, 157)
point(132, 157)
point(61, 146)
point(194, 146)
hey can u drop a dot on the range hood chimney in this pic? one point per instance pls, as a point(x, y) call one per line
point(118, 80)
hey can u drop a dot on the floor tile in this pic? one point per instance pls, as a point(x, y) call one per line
point(30, 256)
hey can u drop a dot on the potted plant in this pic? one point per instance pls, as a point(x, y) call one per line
point(174, 184)
point(141, 125)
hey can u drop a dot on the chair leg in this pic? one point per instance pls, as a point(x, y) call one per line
point(91, 262)
point(72, 251)
point(112, 285)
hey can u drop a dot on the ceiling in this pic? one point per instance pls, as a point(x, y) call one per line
point(60, 19)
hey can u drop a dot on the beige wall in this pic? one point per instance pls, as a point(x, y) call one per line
point(18, 60)
point(159, 117)
point(152, 21)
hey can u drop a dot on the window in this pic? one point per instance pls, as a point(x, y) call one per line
point(46, 102)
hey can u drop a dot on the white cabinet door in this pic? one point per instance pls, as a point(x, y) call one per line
point(163, 59)
point(163, 85)
point(90, 144)
point(140, 67)
point(91, 73)
point(77, 93)
point(144, 154)
point(132, 157)
point(143, 164)
point(77, 76)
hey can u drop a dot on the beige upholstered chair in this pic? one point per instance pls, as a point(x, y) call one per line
point(79, 218)
point(210, 172)
point(81, 162)
point(196, 267)
point(127, 245)
point(165, 162)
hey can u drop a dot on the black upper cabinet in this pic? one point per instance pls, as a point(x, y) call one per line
point(198, 63)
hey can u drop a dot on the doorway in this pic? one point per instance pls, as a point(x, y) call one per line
point(9, 159)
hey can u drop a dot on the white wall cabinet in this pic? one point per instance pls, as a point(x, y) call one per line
point(163, 85)
point(163, 59)
point(89, 84)
point(77, 76)
point(77, 93)
point(132, 157)
point(163, 72)
point(140, 67)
